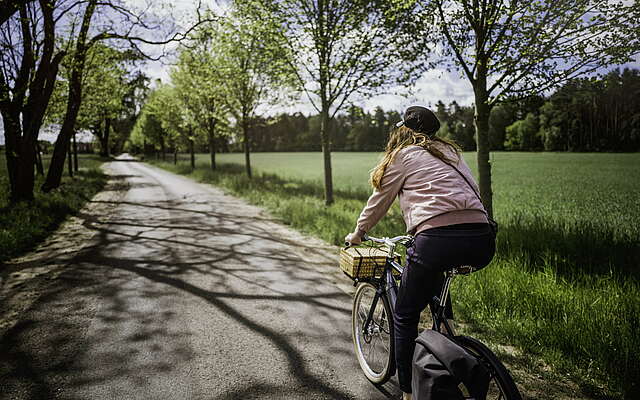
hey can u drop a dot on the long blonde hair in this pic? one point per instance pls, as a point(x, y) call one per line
point(402, 137)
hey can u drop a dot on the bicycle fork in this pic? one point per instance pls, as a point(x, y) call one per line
point(391, 289)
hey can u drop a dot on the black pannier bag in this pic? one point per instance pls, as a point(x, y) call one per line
point(440, 366)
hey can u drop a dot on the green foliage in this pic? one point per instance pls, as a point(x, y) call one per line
point(523, 134)
point(564, 285)
point(164, 121)
point(594, 114)
point(501, 117)
point(457, 124)
point(110, 91)
point(24, 225)
point(148, 126)
point(519, 46)
point(567, 119)
point(341, 49)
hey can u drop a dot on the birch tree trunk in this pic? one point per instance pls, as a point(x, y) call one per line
point(326, 155)
point(481, 122)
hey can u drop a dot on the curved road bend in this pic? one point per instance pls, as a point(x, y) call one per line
point(187, 293)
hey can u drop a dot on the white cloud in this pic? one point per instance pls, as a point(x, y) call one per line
point(433, 86)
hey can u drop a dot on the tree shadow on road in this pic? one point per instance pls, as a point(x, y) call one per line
point(241, 267)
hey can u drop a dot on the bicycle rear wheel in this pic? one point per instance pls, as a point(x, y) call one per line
point(501, 385)
point(374, 347)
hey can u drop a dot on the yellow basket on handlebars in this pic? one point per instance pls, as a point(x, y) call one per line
point(363, 262)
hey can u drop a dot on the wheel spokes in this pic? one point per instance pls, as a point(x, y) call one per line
point(373, 343)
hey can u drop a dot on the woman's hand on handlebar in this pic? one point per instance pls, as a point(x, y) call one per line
point(352, 239)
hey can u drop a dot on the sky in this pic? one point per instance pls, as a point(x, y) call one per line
point(432, 86)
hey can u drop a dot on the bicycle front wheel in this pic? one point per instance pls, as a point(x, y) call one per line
point(501, 385)
point(374, 345)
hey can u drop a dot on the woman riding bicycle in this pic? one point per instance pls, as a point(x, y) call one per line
point(441, 210)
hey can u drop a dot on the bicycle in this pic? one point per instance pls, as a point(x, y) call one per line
point(372, 324)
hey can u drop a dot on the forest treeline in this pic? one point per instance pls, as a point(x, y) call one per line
point(587, 114)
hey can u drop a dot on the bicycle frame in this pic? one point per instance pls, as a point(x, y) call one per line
point(387, 283)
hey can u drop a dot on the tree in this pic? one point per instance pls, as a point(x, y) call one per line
point(252, 69)
point(122, 30)
point(136, 91)
point(200, 80)
point(523, 134)
point(502, 116)
point(106, 84)
point(148, 127)
point(341, 49)
point(28, 68)
point(516, 48)
point(594, 114)
point(166, 106)
point(31, 34)
point(9, 7)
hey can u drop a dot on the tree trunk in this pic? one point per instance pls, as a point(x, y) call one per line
point(481, 122)
point(70, 164)
point(175, 156)
point(56, 166)
point(104, 138)
point(21, 158)
point(326, 155)
point(192, 153)
point(21, 138)
point(12, 138)
point(212, 142)
point(324, 59)
point(25, 176)
point(39, 166)
point(163, 149)
point(75, 153)
point(247, 159)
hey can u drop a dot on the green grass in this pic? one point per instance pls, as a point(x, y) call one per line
point(564, 285)
point(24, 225)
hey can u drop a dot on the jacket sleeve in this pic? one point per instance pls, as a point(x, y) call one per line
point(380, 201)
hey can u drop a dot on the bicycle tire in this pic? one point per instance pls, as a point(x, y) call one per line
point(380, 331)
point(501, 385)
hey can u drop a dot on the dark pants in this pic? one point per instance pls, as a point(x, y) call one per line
point(433, 252)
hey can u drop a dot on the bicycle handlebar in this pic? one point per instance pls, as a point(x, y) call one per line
point(385, 240)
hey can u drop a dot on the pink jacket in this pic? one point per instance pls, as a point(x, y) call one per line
point(431, 192)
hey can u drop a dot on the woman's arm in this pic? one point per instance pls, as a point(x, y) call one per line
point(380, 201)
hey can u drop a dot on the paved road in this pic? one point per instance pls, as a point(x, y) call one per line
point(187, 293)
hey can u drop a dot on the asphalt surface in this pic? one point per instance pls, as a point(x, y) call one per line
point(188, 293)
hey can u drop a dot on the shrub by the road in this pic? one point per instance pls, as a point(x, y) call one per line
point(24, 225)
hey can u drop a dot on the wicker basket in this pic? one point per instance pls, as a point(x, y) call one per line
point(363, 262)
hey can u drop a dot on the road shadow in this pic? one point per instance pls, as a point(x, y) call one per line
point(146, 260)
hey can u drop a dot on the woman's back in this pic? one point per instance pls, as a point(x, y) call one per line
point(433, 192)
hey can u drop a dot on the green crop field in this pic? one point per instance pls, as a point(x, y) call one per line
point(548, 188)
point(564, 286)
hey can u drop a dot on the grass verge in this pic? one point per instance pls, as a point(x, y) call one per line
point(563, 290)
point(24, 225)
